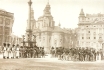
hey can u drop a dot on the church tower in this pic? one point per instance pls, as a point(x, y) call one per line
point(48, 19)
point(45, 25)
point(81, 16)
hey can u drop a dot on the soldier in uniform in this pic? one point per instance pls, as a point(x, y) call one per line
point(52, 51)
point(17, 51)
point(94, 55)
point(8, 51)
point(4, 51)
point(13, 51)
point(69, 55)
point(43, 53)
point(75, 53)
point(79, 53)
point(56, 52)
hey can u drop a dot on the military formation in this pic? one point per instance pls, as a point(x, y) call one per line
point(10, 51)
point(77, 54)
point(70, 54)
point(32, 52)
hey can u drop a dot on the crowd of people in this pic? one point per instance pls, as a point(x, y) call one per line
point(77, 54)
point(69, 54)
point(32, 52)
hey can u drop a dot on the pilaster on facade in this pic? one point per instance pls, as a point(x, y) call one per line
point(6, 24)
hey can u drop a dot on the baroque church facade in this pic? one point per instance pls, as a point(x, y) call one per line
point(48, 35)
point(91, 30)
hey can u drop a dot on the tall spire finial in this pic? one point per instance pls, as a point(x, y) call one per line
point(48, 2)
point(59, 23)
point(30, 2)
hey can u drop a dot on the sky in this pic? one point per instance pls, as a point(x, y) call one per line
point(65, 12)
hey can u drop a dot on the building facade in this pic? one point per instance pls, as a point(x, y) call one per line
point(6, 24)
point(48, 35)
point(90, 30)
point(15, 40)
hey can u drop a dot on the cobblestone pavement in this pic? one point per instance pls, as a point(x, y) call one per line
point(48, 64)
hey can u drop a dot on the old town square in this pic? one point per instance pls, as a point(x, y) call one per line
point(44, 44)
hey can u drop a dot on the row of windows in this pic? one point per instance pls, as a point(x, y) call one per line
point(95, 26)
point(90, 37)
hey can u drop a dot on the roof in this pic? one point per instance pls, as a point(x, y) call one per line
point(57, 29)
point(100, 22)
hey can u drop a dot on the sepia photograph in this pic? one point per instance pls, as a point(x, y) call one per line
point(51, 34)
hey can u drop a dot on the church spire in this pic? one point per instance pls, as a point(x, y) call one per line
point(48, 2)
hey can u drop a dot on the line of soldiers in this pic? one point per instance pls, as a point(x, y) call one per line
point(77, 54)
point(10, 51)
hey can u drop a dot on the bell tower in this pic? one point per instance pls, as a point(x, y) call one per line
point(81, 16)
point(48, 19)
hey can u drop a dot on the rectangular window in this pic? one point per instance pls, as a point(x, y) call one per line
point(88, 37)
point(100, 37)
point(7, 30)
point(94, 37)
point(82, 37)
point(88, 31)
